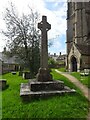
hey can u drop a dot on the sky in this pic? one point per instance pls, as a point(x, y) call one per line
point(56, 12)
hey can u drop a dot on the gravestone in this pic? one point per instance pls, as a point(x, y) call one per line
point(43, 86)
point(26, 75)
point(3, 84)
point(14, 73)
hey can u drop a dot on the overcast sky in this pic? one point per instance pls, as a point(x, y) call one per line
point(56, 12)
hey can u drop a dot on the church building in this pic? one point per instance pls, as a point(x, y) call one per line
point(78, 36)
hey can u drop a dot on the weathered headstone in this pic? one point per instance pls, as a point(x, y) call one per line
point(2, 84)
point(14, 73)
point(26, 75)
point(43, 85)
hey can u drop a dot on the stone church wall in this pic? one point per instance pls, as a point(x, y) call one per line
point(0, 67)
point(85, 62)
point(74, 53)
point(78, 29)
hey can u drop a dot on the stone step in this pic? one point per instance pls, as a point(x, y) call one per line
point(27, 94)
point(46, 86)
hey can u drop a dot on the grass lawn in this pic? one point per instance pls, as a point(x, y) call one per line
point(84, 79)
point(62, 69)
point(66, 106)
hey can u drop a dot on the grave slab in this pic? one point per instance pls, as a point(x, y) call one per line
point(14, 73)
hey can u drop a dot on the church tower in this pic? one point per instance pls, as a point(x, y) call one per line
point(78, 25)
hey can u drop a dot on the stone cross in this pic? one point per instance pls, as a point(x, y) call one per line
point(44, 26)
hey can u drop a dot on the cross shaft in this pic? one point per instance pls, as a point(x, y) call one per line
point(44, 26)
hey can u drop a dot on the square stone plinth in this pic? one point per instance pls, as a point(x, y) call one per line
point(46, 86)
point(26, 93)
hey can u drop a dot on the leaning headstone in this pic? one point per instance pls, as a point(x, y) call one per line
point(43, 86)
point(2, 84)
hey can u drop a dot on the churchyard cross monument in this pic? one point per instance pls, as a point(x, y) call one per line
point(43, 73)
point(44, 26)
point(43, 85)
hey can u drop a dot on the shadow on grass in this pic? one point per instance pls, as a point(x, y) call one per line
point(27, 100)
point(5, 87)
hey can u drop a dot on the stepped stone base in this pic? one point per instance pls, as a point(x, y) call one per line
point(46, 86)
point(35, 89)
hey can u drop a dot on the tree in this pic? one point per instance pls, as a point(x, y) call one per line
point(23, 37)
point(51, 62)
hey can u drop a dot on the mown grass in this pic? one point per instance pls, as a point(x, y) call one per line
point(66, 106)
point(84, 79)
point(62, 69)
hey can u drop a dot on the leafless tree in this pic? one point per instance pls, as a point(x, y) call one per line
point(23, 36)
